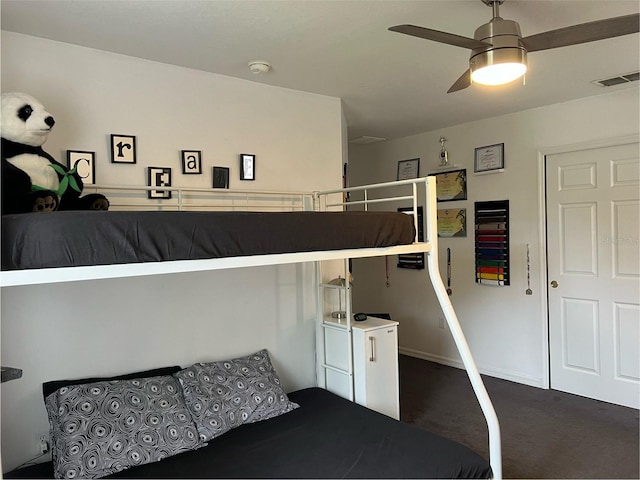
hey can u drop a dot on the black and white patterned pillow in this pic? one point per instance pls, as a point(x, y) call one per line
point(224, 395)
point(104, 427)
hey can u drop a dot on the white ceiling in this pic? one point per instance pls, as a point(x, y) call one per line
point(392, 85)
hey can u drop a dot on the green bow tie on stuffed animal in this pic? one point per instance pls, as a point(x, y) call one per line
point(66, 182)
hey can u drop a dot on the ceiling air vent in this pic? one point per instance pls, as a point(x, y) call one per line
point(364, 140)
point(626, 78)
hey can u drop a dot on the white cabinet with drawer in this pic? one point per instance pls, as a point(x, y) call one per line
point(375, 363)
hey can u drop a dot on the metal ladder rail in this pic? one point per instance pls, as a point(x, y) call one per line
point(495, 446)
point(322, 367)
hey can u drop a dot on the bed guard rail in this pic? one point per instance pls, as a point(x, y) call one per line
point(425, 187)
point(329, 199)
point(135, 197)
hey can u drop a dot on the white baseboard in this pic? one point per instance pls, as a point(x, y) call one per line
point(491, 372)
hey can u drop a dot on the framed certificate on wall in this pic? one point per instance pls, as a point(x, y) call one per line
point(451, 185)
point(489, 158)
point(408, 169)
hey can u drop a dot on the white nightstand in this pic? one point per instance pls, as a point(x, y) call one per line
point(375, 363)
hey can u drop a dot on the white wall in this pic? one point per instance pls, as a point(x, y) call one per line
point(506, 329)
point(115, 326)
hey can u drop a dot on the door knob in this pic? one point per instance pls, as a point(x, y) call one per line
point(554, 284)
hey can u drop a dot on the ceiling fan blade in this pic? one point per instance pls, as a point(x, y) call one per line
point(583, 33)
point(463, 82)
point(438, 36)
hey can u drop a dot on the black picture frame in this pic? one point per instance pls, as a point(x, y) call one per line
point(408, 169)
point(220, 177)
point(123, 148)
point(451, 185)
point(191, 162)
point(414, 261)
point(247, 166)
point(85, 164)
point(159, 177)
point(452, 222)
point(489, 158)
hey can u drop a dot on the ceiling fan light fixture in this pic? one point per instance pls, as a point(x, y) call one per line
point(499, 66)
point(498, 74)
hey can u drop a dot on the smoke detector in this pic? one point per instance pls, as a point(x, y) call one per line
point(258, 66)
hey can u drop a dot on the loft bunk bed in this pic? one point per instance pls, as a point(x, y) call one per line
point(235, 229)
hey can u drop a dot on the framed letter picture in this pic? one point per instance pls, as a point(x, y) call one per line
point(408, 169)
point(247, 166)
point(84, 163)
point(123, 149)
point(220, 177)
point(159, 177)
point(191, 162)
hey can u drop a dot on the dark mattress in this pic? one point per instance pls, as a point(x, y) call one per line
point(79, 238)
point(327, 437)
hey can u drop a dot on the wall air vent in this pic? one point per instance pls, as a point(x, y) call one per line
point(620, 79)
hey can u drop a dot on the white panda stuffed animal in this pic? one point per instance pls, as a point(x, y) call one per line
point(32, 180)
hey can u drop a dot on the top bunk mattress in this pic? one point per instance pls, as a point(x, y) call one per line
point(85, 238)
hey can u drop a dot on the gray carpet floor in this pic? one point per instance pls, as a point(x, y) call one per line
point(545, 433)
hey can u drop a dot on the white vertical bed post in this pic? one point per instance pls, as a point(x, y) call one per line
point(495, 449)
point(321, 361)
point(347, 294)
point(414, 187)
point(321, 373)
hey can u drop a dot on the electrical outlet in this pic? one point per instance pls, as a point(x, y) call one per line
point(43, 444)
point(441, 322)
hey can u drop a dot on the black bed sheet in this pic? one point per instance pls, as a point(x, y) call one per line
point(327, 437)
point(80, 238)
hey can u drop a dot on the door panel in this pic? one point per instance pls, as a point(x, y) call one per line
point(580, 335)
point(627, 333)
point(626, 252)
point(578, 255)
point(593, 222)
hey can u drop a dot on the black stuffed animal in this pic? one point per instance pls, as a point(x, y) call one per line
point(32, 180)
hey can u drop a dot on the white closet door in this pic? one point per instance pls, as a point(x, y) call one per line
point(594, 272)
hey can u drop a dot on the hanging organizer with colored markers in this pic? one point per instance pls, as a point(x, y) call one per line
point(492, 242)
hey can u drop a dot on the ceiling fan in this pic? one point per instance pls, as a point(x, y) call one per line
point(499, 50)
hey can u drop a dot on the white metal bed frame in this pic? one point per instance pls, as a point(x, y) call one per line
point(194, 199)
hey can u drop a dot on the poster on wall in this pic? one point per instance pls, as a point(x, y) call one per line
point(489, 159)
point(408, 169)
point(84, 164)
point(451, 185)
point(452, 222)
point(220, 177)
point(159, 177)
point(191, 162)
point(123, 148)
point(413, 260)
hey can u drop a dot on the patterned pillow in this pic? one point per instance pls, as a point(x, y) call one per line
point(225, 395)
point(104, 427)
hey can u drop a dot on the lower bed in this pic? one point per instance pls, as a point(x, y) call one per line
point(327, 437)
